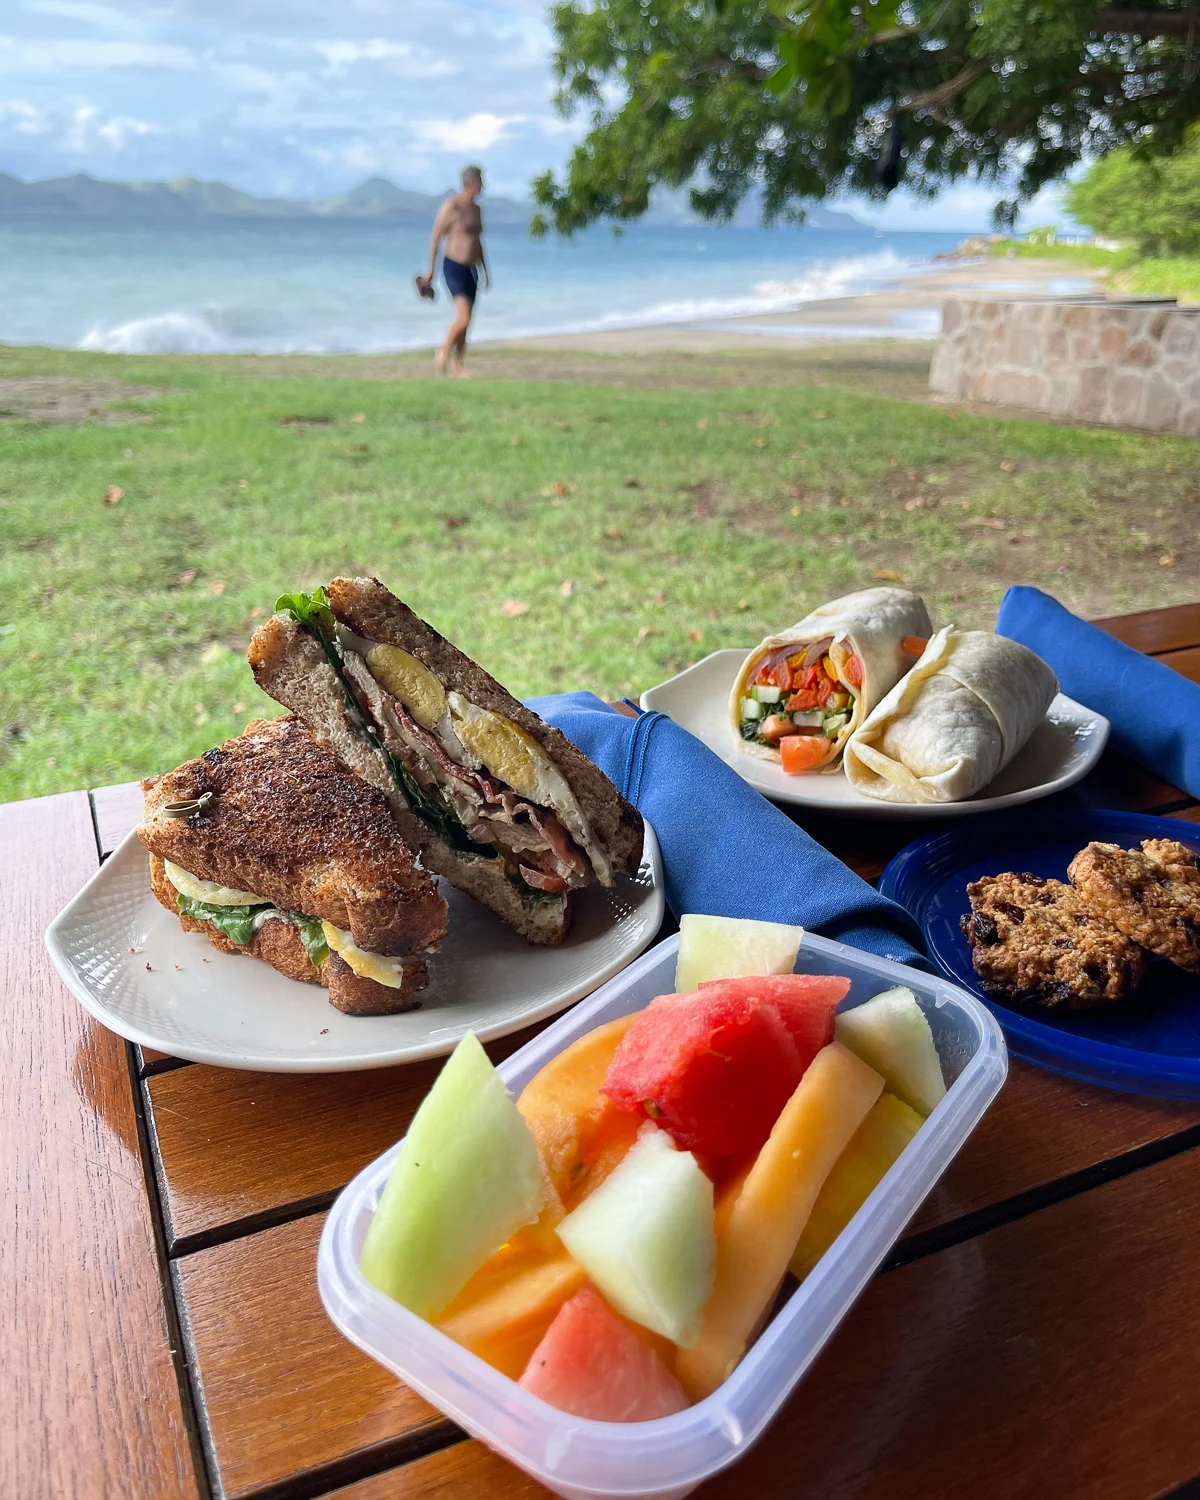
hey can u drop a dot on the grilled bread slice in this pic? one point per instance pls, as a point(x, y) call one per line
point(283, 821)
point(400, 704)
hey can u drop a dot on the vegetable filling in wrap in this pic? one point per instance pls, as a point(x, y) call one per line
point(954, 722)
point(801, 694)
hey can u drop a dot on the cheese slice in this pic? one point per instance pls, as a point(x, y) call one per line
point(385, 971)
point(209, 891)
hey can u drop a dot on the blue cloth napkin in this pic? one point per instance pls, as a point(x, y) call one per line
point(726, 850)
point(1154, 712)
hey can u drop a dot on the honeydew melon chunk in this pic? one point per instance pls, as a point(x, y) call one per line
point(730, 947)
point(891, 1033)
point(876, 1145)
point(763, 1227)
point(466, 1179)
point(646, 1238)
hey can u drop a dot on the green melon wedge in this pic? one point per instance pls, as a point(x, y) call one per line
point(467, 1178)
point(891, 1033)
point(732, 948)
point(646, 1237)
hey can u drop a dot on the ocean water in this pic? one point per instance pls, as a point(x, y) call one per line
point(329, 285)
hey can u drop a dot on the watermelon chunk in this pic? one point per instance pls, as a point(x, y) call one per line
point(591, 1363)
point(807, 1003)
point(713, 1069)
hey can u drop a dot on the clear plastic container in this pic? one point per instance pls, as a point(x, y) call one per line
point(580, 1459)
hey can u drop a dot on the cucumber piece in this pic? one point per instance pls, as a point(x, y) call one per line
point(834, 725)
point(767, 694)
point(751, 709)
point(813, 718)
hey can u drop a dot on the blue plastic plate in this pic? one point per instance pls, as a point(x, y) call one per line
point(1148, 1045)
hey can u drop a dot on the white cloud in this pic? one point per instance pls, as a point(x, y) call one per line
point(58, 54)
point(479, 132)
point(88, 125)
point(24, 118)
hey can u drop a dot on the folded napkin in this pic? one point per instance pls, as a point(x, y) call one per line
point(1154, 712)
point(726, 850)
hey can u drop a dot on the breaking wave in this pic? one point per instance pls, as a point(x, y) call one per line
point(168, 333)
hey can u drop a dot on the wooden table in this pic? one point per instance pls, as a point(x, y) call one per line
point(1036, 1333)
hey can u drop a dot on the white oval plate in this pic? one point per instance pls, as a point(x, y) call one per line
point(128, 962)
point(1065, 746)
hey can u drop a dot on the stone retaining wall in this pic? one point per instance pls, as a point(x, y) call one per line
point(1131, 364)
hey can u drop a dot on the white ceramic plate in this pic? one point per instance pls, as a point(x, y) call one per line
point(1065, 746)
point(128, 962)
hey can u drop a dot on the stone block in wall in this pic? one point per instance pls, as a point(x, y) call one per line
point(1130, 364)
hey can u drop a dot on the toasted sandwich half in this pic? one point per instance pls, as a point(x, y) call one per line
point(271, 847)
point(495, 799)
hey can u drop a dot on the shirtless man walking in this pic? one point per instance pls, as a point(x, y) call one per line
point(460, 223)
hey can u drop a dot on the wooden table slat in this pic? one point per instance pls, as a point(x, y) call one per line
point(1157, 630)
point(284, 1392)
point(88, 1389)
point(1056, 1356)
point(116, 810)
point(233, 1144)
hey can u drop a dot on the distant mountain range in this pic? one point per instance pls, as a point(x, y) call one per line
point(187, 198)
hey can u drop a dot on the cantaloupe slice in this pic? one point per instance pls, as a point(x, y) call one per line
point(728, 947)
point(575, 1126)
point(891, 1033)
point(503, 1312)
point(829, 1104)
point(877, 1144)
point(466, 1179)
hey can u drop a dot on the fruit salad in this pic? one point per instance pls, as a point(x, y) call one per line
point(614, 1239)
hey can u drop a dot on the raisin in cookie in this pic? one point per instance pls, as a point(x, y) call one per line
point(1035, 942)
point(1152, 894)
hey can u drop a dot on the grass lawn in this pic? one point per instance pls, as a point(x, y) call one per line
point(599, 530)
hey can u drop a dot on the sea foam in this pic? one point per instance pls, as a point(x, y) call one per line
point(168, 333)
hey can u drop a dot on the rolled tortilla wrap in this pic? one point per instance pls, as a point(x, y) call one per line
point(958, 718)
point(871, 625)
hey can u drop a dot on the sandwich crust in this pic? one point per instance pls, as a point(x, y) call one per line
point(289, 822)
point(289, 665)
point(372, 610)
point(279, 944)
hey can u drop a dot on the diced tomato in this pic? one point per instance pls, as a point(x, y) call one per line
point(806, 698)
point(913, 645)
point(810, 676)
point(803, 752)
point(775, 726)
point(825, 691)
point(765, 677)
point(852, 671)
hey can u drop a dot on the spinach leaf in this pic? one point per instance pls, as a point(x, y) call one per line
point(312, 935)
point(236, 922)
point(530, 894)
point(312, 611)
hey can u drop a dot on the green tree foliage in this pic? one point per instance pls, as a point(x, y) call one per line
point(801, 101)
point(1153, 203)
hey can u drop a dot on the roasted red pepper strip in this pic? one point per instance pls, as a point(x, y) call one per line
point(852, 670)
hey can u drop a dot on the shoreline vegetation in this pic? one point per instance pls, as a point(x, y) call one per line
point(1124, 271)
point(575, 516)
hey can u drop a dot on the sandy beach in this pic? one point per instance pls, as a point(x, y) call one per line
point(910, 309)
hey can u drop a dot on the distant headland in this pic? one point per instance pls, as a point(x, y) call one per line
point(187, 198)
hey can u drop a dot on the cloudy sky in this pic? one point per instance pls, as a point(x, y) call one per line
point(302, 97)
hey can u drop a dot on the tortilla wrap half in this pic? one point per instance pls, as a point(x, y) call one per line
point(870, 624)
point(958, 718)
